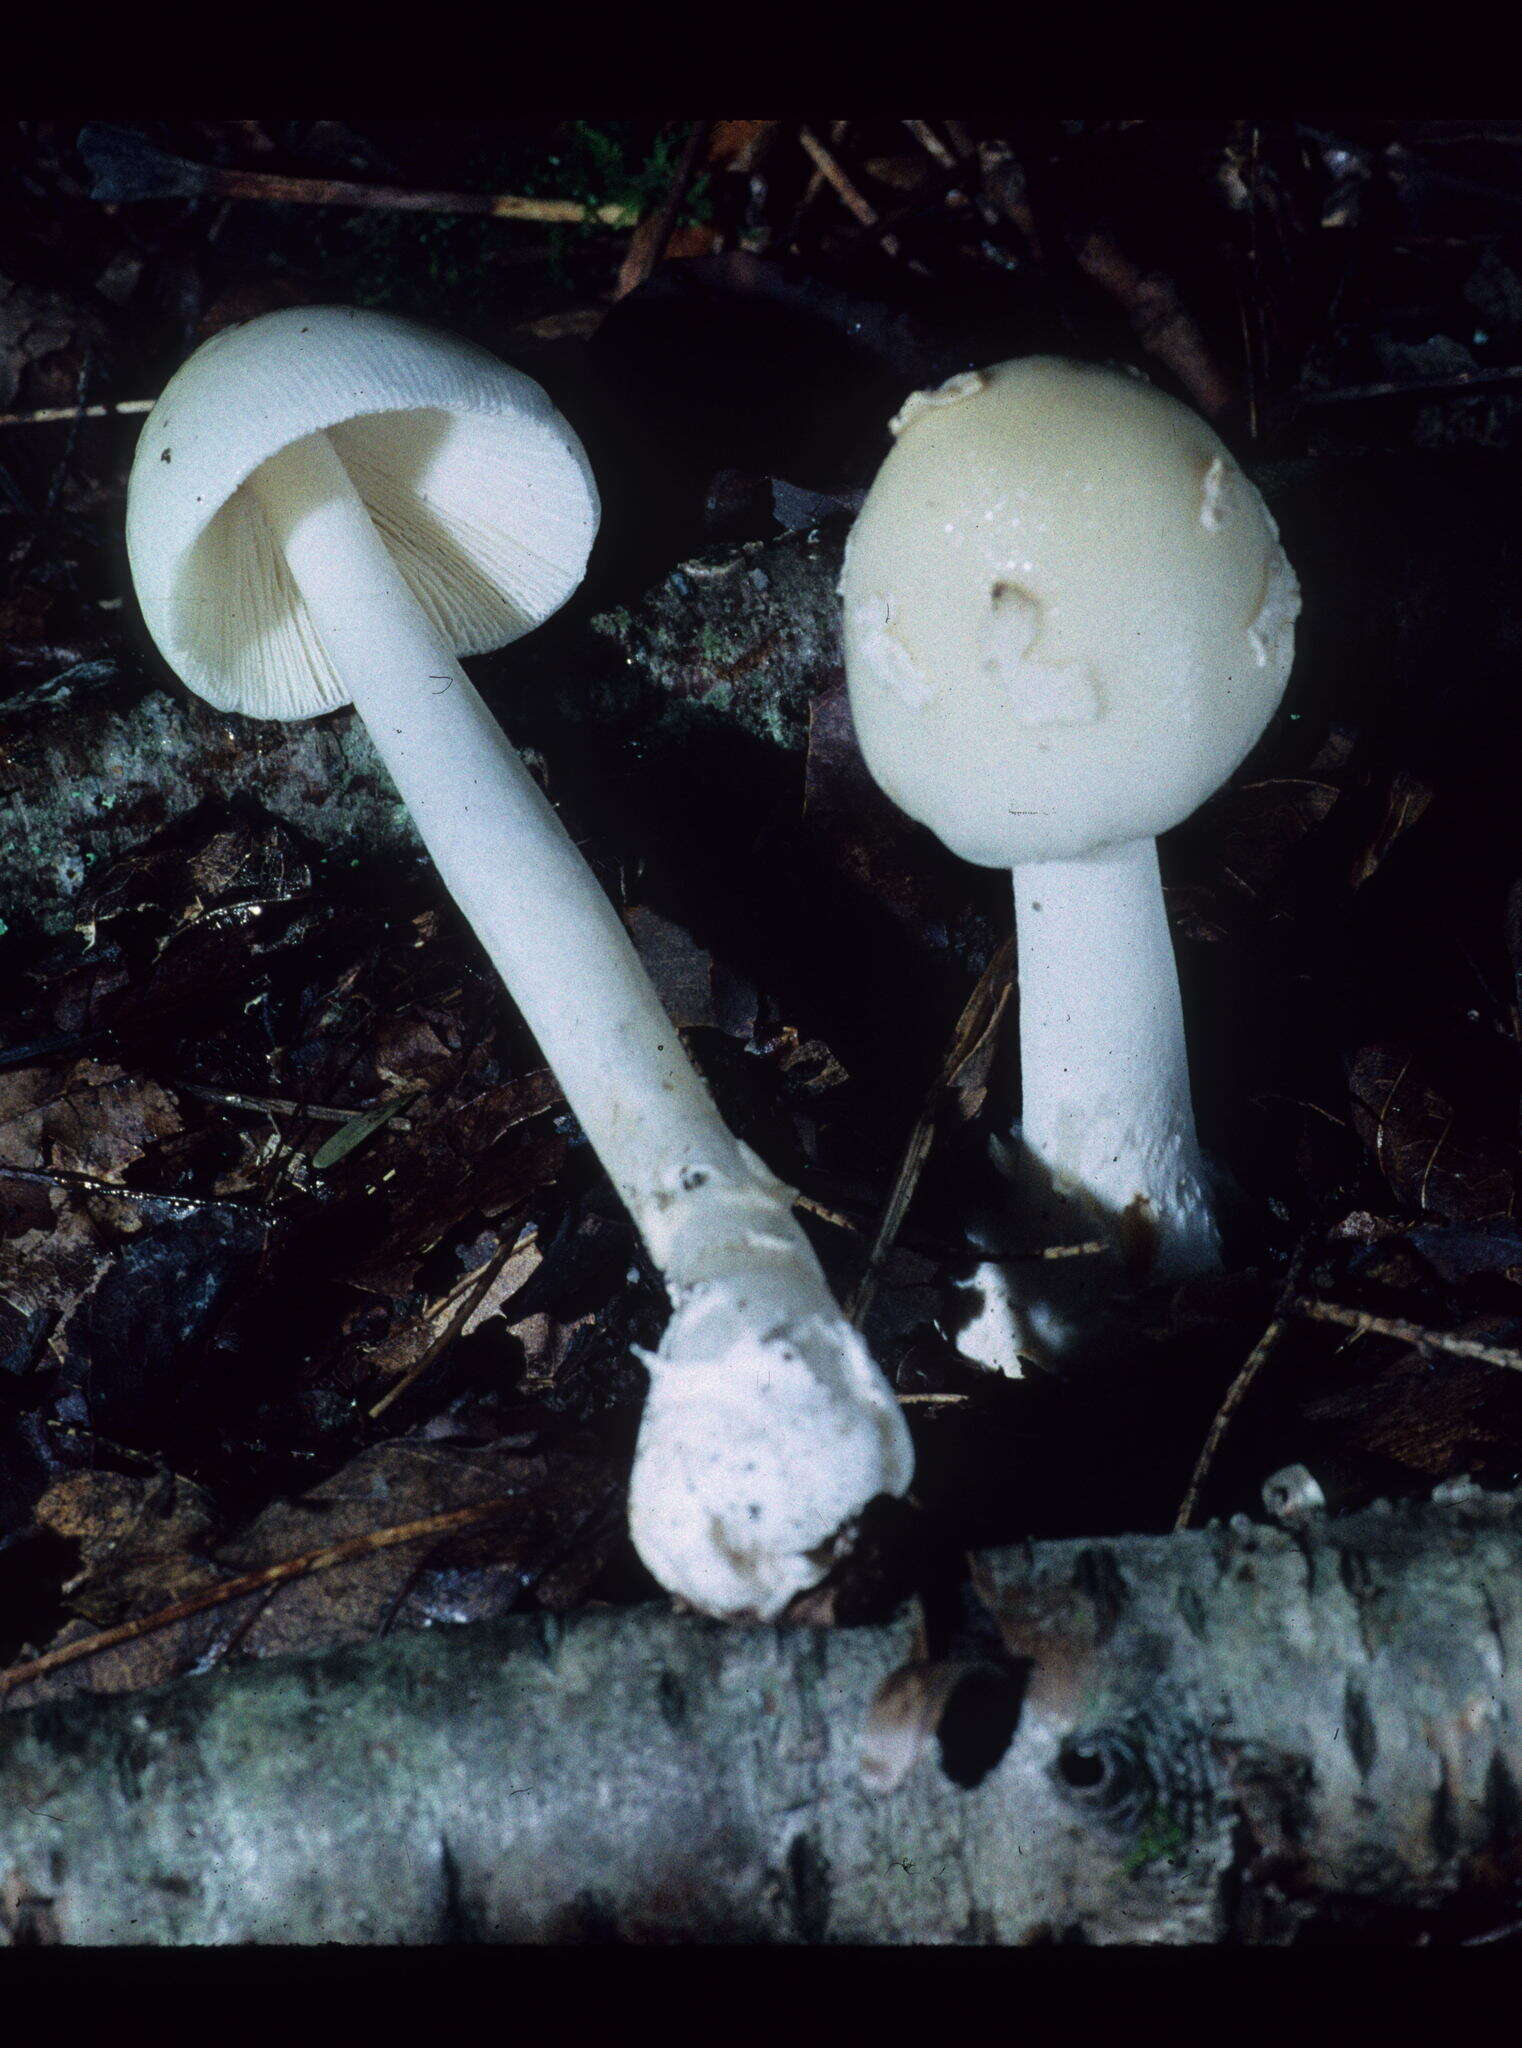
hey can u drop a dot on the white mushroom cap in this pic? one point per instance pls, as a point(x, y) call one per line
point(479, 487)
point(1067, 613)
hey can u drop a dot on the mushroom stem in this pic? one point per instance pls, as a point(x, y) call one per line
point(1104, 1070)
point(811, 1430)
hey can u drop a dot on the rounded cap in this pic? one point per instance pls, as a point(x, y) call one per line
point(479, 487)
point(1067, 613)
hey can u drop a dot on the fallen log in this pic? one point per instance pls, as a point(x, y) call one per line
point(1190, 1738)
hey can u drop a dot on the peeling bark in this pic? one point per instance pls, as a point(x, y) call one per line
point(96, 760)
point(1218, 1732)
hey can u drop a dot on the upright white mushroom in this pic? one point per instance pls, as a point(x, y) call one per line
point(1067, 619)
point(325, 508)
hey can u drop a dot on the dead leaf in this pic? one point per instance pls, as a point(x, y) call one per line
point(550, 1551)
point(93, 1118)
point(1405, 802)
point(1439, 1416)
point(1410, 1129)
point(862, 834)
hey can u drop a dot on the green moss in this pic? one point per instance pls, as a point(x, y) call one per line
point(1160, 1839)
point(618, 163)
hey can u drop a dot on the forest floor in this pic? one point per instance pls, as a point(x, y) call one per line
point(299, 1247)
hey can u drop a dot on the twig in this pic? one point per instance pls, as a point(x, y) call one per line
point(826, 1215)
point(128, 168)
point(1159, 320)
point(1368, 1325)
point(835, 176)
point(87, 1184)
point(815, 185)
point(1414, 387)
point(1241, 1386)
point(50, 415)
point(647, 245)
point(252, 1582)
point(931, 144)
point(451, 1329)
point(983, 1009)
point(1236, 1394)
point(281, 1105)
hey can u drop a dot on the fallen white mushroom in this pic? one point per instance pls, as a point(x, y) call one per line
point(1067, 620)
point(325, 507)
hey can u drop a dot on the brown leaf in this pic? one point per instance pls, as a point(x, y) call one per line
point(680, 968)
point(141, 1540)
point(1255, 830)
point(1439, 1416)
point(1410, 1129)
point(736, 145)
point(864, 835)
point(44, 1274)
point(190, 871)
point(1405, 802)
point(552, 1550)
point(94, 1118)
point(33, 326)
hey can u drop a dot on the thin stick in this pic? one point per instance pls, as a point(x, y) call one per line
point(932, 144)
point(451, 1330)
point(87, 1184)
point(1368, 1325)
point(1241, 1386)
point(835, 176)
point(252, 1582)
point(128, 168)
point(49, 415)
point(647, 245)
point(981, 1014)
point(282, 1105)
point(1236, 1394)
point(815, 184)
point(1416, 387)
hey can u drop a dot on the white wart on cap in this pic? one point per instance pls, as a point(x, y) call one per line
point(480, 489)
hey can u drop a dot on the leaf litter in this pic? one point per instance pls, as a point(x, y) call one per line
point(300, 1249)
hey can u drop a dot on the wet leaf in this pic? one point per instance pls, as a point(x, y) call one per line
point(560, 1525)
point(1439, 1416)
point(134, 1344)
point(1431, 1166)
point(1255, 831)
point(1405, 802)
point(198, 867)
point(862, 834)
point(350, 1136)
point(91, 1118)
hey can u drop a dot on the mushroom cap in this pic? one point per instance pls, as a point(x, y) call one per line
point(479, 487)
point(1067, 613)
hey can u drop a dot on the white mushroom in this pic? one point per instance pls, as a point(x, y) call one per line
point(326, 506)
point(1067, 619)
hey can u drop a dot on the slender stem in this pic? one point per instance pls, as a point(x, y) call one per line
point(502, 851)
point(768, 1427)
point(1105, 1073)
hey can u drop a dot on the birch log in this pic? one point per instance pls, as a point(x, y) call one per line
point(1217, 1733)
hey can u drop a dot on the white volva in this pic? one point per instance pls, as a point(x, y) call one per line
point(1067, 620)
point(325, 507)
